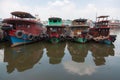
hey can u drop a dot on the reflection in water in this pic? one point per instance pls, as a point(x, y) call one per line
point(78, 51)
point(80, 69)
point(22, 57)
point(75, 61)
point(55, 52)
point(117, 42)
point(1, 55)
point(25, 57)
point(99, 52)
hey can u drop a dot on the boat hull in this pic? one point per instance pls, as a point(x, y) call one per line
point(105, 41)
point(81, 40)
point(54, 40)
point(18, 41)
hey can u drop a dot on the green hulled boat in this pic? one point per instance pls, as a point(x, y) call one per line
point(79, 30)
point(101, 31)
point(81, 40)
point(54, 40)
point(55, 30)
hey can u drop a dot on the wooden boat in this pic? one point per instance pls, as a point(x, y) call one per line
point(101, 31)
point(55, 30)
point(22, 28)
point(3, 35)
point(79, 30)
point(22, 58)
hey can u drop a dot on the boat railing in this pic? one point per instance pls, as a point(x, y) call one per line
point(30, 19)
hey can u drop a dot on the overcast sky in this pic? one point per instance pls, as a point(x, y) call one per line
point(66, 9)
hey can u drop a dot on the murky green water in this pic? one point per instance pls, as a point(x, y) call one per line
point(63, 61)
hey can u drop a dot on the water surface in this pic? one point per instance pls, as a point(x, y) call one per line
point(62, 61)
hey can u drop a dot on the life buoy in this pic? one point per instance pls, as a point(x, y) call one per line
point(30, 37)
point(54, 40)
point(19, 33)
point(35, 38)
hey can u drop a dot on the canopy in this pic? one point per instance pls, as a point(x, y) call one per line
point(102, 16)
point(54, 18)
point(80, 20)
point(22, 14)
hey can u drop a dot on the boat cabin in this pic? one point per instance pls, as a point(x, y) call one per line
point(101, 31)
point(79, 22)
point(55, 31)
point(55, 21)
point(102, 21)
point(101, 27)
point(55, 27)
point(79, 27)
point(24, 21)
point(22, 28)
point(96, 32)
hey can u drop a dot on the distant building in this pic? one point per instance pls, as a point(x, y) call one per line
point(114, 23)
point(0, 23)
point(67, 22)
point(90, 23)
point(44, 23)
point(0, 20)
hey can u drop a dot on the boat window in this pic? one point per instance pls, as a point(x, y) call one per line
point(59, 20)
point(55, 21)
point(54, 30)
point(59, 29)
point(80, 23)
point(50, 20)
point(28, 26)
point(51, 29)
point(19, 25)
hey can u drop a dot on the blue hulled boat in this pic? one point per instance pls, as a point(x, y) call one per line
point(22, 28)
point(101, 32)
point(79, 30)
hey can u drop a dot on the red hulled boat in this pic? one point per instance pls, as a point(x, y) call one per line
point(55, 30)
point(22, 28)
point(101, 31)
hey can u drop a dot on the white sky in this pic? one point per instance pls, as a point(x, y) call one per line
point(66, 9)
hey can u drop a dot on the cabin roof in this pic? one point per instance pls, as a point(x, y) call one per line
point(105, 21)
point(103, 16)
point(54, 18)
point(99, 28)
point(55, 26)
point(19, 21)
point(22, 14)
point(80, 20)
point(78, 26)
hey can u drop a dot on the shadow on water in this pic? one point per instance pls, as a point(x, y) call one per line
point(98, 51)
point(23, 57)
